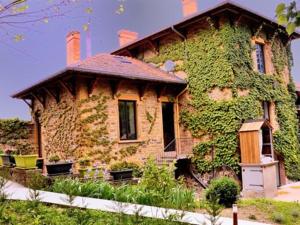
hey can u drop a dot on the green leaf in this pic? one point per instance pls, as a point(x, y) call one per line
point(291, 27)
point(280, 8)
point(89, 10)
point(282, 19)
point(18, 37)
point(85, 27)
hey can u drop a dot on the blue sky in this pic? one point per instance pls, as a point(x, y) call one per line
point(42, 52)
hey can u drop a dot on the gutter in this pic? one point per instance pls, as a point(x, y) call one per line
point(178, 33)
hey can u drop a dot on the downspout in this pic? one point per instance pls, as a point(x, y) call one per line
point(178, 33)
point(177, 113)
point(182, 36)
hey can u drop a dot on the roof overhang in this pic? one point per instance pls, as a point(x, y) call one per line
point(75, 71)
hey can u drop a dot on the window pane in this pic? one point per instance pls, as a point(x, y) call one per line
point(127, 120)
point(131, 120)
point(260, 58)
point(122, 118)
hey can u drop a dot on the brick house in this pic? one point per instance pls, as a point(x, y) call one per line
point(127, 106)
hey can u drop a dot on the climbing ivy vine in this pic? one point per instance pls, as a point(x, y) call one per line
point(221, 58)
point(76, 129)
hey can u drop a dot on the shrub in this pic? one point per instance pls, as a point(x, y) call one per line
point(252, 217)
point(160, 179)
point(54, 158)
point(278, 218)
point(295, 213)
point(226, 189)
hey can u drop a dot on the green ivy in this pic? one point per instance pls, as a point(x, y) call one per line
point(15, 133)
point(221, 58)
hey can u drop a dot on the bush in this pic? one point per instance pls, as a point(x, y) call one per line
point(160, 179)
point(295, 213)
point(226, 189)
point(278, 218)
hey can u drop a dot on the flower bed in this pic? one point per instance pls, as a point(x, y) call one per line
point(157, 187)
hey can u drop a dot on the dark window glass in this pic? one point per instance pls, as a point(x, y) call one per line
point(260, 58)
point(127, 120)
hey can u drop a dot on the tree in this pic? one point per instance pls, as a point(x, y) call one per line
point(288, 15)
point(16, 15)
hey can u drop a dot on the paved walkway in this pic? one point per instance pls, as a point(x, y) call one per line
point(289, 193)
point(18, 192)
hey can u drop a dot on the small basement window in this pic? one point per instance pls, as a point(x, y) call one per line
point(127, 120)
point(260, 58)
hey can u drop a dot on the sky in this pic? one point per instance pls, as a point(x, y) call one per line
point(43, 50)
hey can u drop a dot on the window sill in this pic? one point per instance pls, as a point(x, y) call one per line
point(129, 141)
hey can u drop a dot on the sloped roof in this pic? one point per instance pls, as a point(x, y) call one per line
point(253, 125)
point(107, 65)
point(127, 67)
point(228, 5)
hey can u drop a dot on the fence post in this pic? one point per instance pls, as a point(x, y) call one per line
point(235, 214)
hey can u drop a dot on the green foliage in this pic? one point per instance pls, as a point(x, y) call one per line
point(278, 218)
point(160, 179)
point(221, 59)
point(85, 162)
point(15, 133)
point(151, 119)
point(137, 170)
point(54, 158)
point(295, 213)
point(18, 212)
point(226, 190)
point(158, 187)
point(252, 217)
point(272, 207)
point(288, 15)
point(214, 210)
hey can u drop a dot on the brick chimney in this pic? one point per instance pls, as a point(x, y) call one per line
point(73, 47)
point(189, 7)
point(126, 37)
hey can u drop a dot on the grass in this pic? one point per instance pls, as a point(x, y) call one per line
point(19, 212)
point(278, 212)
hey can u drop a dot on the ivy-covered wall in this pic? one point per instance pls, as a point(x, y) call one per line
point(219, 60)
point(89, 126)
point(16, 135)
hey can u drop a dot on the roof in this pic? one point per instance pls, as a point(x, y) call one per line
point(253, 125)
point(106, 65)
point(228, 5)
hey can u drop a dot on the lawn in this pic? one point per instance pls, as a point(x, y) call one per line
point(268, 211)
point(29, 213)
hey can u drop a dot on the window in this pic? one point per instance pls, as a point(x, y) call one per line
point(260, 58)
point(266, 106)
point(127, 120)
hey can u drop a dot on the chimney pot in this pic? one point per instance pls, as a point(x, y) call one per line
point(189, 7)
point(73, 47)
point(126, 37)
